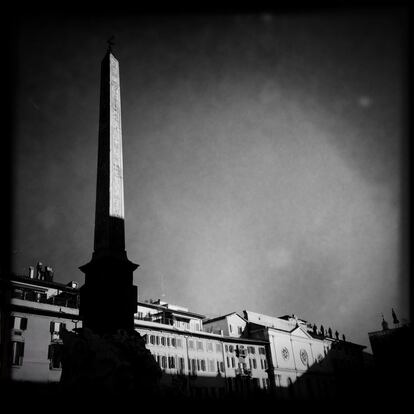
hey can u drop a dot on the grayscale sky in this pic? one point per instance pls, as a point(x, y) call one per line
point(262, 159)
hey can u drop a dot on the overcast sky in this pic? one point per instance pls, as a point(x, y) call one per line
point(262, 159)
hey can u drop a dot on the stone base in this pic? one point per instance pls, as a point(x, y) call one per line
point(108, 299)
point(116, 364)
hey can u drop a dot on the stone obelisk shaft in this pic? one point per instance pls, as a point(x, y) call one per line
point(108, 298)
point(109, 218)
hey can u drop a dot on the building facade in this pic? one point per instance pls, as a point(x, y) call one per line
point(301, 361)
point(192, 360)
point(39, 310)
point(198, 356)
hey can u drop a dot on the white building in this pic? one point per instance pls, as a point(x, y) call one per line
point(39, 310)
point(196, 361)
point(209, 362)
point(300, 361)
point(197, 355)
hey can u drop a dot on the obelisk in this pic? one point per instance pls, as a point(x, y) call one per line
point(108, 299)
point(107, 357)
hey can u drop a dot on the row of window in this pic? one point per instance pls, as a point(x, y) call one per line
point(210, 365)
point(199, 345)
point(20, 323)
point(160, 340)
point(54, 354)
point(55, 348)
point(58, 327)
point(164, 341)
point(200, 365)
point(248, 349)
point(231, 363)
point(239, 329)
point(253, 364)
point(175, 362)
point(171, 362)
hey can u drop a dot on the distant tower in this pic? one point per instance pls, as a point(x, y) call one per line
point(108, 299)
point(384, 324)
point(394, 318)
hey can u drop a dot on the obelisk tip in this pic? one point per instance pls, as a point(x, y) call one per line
point(110, 42)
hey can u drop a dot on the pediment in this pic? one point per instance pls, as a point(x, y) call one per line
point(300, 332)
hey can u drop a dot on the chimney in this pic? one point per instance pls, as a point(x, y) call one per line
point(31, 272)
point(39, 270)
point(48, 273)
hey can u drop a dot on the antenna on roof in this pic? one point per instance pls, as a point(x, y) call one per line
point(162, 285)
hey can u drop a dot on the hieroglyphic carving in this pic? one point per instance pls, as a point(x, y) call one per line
point(116, 200)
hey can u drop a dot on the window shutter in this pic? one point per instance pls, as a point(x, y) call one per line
point(21, 345)
point(52, 327)
point(23, 324)
point(62, 328)
point(11, 322)
point(58, 351)
point(50, 351)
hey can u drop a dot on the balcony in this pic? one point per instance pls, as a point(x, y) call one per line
point(40, 297)
point(155, 318)
point(164, 320)
point(243, 372)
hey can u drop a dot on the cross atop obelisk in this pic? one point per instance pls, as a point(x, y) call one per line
point(108, 298)
point(110, 42)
